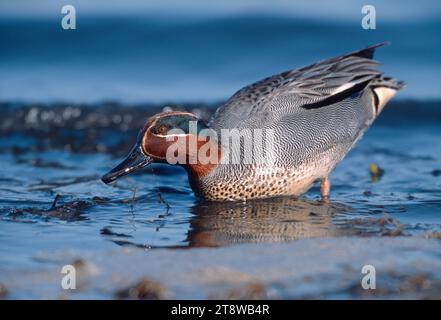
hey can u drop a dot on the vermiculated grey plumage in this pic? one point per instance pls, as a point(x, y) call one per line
point(317, 112)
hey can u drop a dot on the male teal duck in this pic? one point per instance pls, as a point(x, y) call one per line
point(314, 115)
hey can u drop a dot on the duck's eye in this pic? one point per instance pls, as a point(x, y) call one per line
point(162, 129)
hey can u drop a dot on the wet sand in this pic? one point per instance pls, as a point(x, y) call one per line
point(329, 268)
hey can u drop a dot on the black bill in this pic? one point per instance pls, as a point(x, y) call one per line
point(134, 161)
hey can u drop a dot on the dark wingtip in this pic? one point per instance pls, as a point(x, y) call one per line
point(368, 52)
point(388, 82)
point(401, 84)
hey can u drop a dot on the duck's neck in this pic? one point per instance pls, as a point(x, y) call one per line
point(205, 161)
point(199, 171)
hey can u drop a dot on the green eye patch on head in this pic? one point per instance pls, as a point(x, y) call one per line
point(186, 123)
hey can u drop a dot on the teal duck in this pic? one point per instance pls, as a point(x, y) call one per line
point(309, 118)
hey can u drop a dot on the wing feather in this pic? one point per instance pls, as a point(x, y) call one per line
point(310, 85)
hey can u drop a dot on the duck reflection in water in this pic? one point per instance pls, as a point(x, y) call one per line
point(267, 220)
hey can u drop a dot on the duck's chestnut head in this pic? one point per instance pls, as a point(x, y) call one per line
point(166, 137)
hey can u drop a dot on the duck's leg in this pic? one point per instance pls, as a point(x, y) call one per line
point(325, 188)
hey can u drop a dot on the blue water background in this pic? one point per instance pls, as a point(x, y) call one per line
point(148, 52)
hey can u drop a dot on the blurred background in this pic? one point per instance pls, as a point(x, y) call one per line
point(200, 51)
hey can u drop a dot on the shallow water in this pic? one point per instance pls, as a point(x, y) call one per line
point(52, 199)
